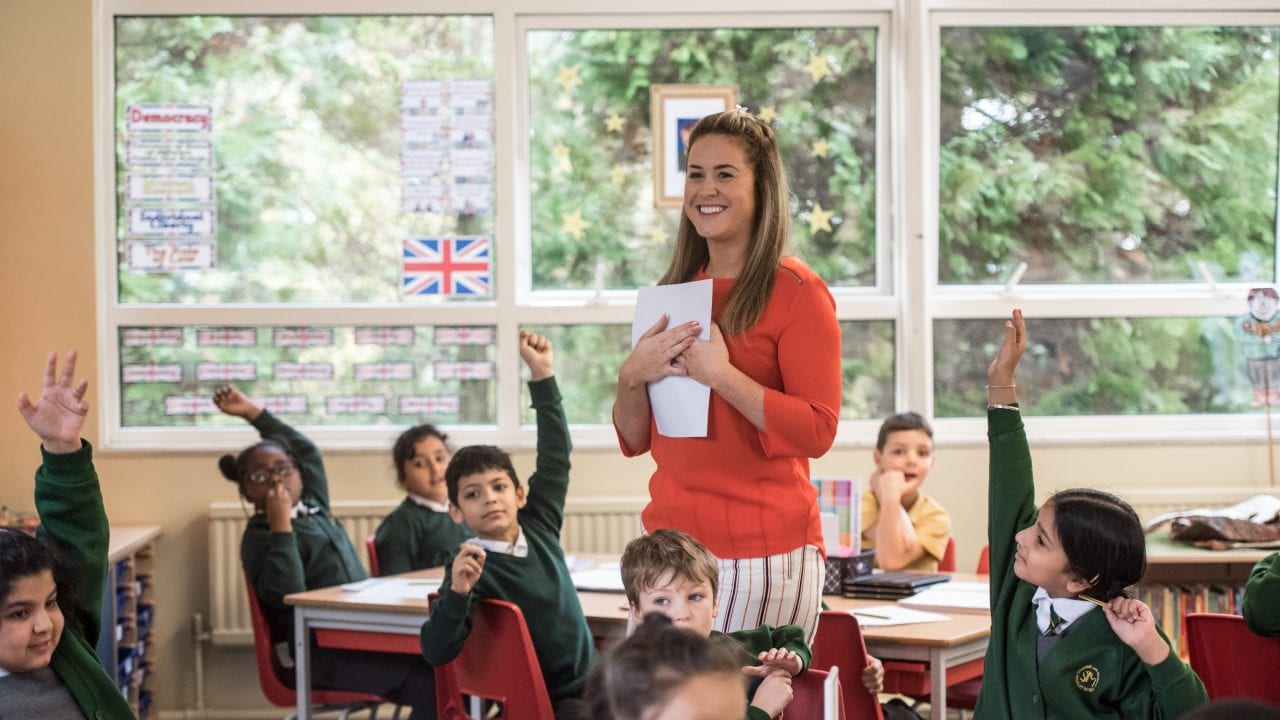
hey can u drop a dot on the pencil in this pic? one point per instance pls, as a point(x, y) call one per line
point(871, 615)
point(1093, 600)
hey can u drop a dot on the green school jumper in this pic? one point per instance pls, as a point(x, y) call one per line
point(69, 502)
point(414, 537)
point(1089, 673)
point(1262, 596)
point(316, 554)
point(539, 583)
point(758, 640)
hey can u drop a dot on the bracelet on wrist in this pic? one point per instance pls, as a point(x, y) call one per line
point(1002, 387)
point(997, 406)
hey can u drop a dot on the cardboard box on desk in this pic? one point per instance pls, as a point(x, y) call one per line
point(843, 564)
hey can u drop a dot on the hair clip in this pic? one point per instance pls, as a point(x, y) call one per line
point(743, 109)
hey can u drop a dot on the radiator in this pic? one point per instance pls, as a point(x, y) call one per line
point(592, 525)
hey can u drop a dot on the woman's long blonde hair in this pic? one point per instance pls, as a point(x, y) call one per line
point(771, 226)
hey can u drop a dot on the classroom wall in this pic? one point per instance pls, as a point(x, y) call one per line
point(47, 296)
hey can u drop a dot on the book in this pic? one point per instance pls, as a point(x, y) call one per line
point(891, 585)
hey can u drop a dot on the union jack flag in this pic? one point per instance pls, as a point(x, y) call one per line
point(446, 266)
point(429, 405)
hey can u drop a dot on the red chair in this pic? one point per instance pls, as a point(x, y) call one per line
point(839, 642)
point(277, 693)
point(1230, 659)
point(371, 544)
point(984, 560)
point(948, 561)
point(808, 696)
point(497, 663)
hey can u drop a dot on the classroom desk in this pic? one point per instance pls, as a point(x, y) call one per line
point(941, 644)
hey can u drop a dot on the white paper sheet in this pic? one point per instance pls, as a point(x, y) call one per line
point(602, 578)
point(877, 615)
point(392, 589)
point(967, 597)
point(679, 404)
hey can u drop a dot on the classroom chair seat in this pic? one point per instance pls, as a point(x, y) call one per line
point(839, 643)
point(279, 694)
point(808, 694)
point(497, 663)
point(1231, 660)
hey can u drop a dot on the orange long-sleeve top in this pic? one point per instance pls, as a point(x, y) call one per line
point(741, 492)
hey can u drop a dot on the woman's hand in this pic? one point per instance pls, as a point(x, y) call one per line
point(707, 361)
point(653, 357)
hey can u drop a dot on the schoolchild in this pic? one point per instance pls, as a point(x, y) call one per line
point(516, 555)
point(664, 672)
point(1261, 607)
point(419, 533)
point(292, 543)
point(1065, 641)
point(908, 529)
point(51, 584)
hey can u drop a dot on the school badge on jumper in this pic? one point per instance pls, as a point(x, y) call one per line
point(1087, 678)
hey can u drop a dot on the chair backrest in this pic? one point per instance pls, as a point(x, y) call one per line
point(497, 662)
point(1230, 659)
point(984, 560)
point(948, 561)
point(371, 544)
point(807, 696)
point(839, 642)
point(270, 670)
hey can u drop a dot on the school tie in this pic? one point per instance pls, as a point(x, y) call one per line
point(1055, 621)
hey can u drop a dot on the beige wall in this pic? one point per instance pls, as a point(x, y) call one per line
point(47, 295)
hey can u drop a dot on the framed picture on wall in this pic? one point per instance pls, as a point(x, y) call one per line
point(673, 111)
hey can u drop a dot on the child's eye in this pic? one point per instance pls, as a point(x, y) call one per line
point(17, 615)
point(660, 601)
point(51, 603)
point(697, 597)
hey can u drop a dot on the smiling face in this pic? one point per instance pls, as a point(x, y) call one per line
point(31, 623)
point(720, 191)
point(424, 472)
point(708, 696)
point(1040, 560)
point(270, 466)
point(910, 452)
point(487, 503)
point(689, 603)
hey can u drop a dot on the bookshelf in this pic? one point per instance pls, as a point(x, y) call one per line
point(128, 607)
point(1183, 579)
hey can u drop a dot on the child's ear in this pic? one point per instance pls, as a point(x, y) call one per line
point(455, 514)
point(1075, 585)
point(519, 496)
point(636, 618)
point(877, 456)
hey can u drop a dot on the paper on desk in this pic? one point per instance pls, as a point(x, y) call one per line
point(601, 578)
point(968, 597)
point(392, 589)
point(679, 404)
point(879, 615)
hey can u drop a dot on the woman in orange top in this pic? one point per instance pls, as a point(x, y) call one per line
point(773, 365)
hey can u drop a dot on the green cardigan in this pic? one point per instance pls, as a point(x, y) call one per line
point(767, 637)
point(539, 583)
point(1089, 673)
point(72, 518)
point(1262, 596)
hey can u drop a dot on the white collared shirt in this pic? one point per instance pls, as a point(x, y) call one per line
point(519, 548)
point(429, 503)
point(1068, 609)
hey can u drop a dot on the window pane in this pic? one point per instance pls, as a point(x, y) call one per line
point(309, 375)
point(285, 159)
point(1108, 154)
point(1096, 366)
point(587, 359)
point(591, 144)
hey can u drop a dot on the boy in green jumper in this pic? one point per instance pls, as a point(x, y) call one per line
point(1262, 597)
point(516, 554)
point(1054, 653)
point(670, 573)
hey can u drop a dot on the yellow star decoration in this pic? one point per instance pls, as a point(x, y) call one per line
point(614, 123)
point(819, 219)
point(817, 67)
point(560, 151)
point(819, 148)
point(573, 223)
point(658, 236)
point(618, 175)
point(560, 159)
point(767, 114)
point(568, 78)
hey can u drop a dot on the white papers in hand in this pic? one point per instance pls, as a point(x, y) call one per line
point(875, 615)
point(679, 404)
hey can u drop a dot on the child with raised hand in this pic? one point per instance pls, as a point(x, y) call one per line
point(48, 665)
point(516, 554)
point(419, 533)
point(664, 672)
point(1053, 651)
point(908, 529)
point(669, 573)
point(294, 543)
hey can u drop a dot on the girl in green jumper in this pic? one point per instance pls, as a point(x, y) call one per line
point(1065, 641)
point(48, 666)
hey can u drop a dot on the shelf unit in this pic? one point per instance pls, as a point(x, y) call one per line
point(128, 615)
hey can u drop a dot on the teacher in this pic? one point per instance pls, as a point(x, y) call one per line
point(773, 365)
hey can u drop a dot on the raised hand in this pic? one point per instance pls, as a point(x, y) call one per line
point(772, 661)
point(467, 567)
point(59, 415)
point(1000, 371)
point(652, 359)
point(233, 402)
point(535, 350)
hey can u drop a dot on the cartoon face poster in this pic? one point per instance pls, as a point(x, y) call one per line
point(1259, 335)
